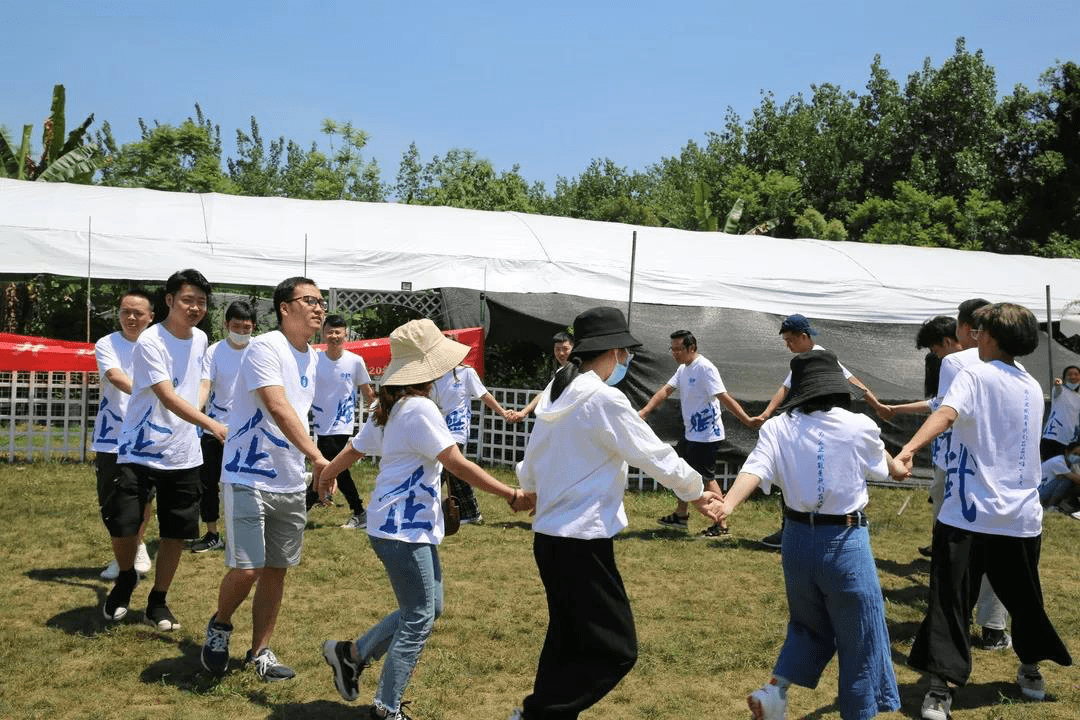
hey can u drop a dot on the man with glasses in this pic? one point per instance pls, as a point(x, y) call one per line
point(701, 395)
point(263, 476)
point(159, 448)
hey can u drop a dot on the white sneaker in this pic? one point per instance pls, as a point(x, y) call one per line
point(1075, 515)
point(111, 571)
point(142, 560)
point(356, 522)
point(518, 714)
point(767, 704)
point(1031, 683)
point(936, 706)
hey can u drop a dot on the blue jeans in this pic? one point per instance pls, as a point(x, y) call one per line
point(835, 608)
point(1056, 489)
point(416, 577)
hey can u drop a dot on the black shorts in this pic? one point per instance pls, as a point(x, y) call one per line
point(106, 470)
point(178, 493)
point(699, 455)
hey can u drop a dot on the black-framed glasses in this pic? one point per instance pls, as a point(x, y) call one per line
point(311, 301)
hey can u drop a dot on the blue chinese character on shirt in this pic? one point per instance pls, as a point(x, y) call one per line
point(105, 413)
point(458, 420)
point(143, 440)
point(254, 455)
point(412, 506)
point(961, 464)
point(705, 420)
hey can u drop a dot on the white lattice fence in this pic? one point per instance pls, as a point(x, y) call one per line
point(43, 414)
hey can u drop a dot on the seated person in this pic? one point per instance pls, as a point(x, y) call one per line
point(1061, 477)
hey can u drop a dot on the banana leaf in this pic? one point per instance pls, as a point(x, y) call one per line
point(53, 146)
point(76, 165)
point(731, 224)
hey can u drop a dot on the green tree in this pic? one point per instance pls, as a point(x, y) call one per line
point(181, 158)
point(607, 192)
point(63, 159)
point(464, 180)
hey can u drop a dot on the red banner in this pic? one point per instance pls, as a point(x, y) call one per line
point(24, 352)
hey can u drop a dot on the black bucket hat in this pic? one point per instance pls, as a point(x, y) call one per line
point(602, 328)
point(813, 374)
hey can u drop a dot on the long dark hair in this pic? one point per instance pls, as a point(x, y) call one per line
point(571, 370)
point(823, 402)
point(390, 394)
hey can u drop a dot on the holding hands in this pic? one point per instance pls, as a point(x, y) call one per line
point(711, 506)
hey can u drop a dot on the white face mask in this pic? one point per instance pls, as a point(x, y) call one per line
point(239, 339)
point(1072, 386)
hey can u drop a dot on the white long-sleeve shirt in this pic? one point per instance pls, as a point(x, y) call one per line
point(577, 457)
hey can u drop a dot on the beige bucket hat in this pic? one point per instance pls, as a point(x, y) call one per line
point(419, 353)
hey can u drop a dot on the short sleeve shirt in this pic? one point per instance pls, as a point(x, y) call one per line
point(698, 384)
point(113, 351)
point(406, 503)
point(454, 393)
point(1063, 422)
point(334, 407)
point(1053, 467)
point(151, 434)
point(221, 367)
point(993, 473)
point(821, 460)
point(257, 453)
point(951, 364)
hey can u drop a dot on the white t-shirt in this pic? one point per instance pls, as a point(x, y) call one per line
point(152, 435)
point(406, 503)
point(454, 397)
point(112, 352)
point(951, 364)
point(821, 461)
point(993, 473)
point(256, 452)
point(334, 407)
point(1063, 422)
point(221, 367)
point(847, 373)
point(1053, 467)
point(698, 383)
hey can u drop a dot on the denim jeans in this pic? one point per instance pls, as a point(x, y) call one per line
point(416, 577)
point(835, 608)
point(1056, 489)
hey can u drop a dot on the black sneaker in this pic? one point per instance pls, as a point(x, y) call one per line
point(267, 666)
point(346, 672)
point(774, 541)
point(116, 603)
point(215, 649)
point(158, 616)
point(209, 541)
point(995, 639)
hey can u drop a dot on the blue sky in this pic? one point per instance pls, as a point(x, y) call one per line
point(545, 85)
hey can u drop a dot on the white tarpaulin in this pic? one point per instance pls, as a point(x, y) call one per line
point(145, 234)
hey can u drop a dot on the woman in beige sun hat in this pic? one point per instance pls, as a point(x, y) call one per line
point(405, 521)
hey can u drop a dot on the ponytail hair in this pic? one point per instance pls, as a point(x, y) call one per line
point(390, 394)
point(571, 370)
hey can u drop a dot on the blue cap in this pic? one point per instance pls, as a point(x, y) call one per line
point(797, 323)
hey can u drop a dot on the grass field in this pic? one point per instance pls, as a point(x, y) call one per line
point(711, 616)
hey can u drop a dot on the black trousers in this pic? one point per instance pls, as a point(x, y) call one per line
point(330, 446)
point(591, 642)
point(960, 558)
point(210, 477)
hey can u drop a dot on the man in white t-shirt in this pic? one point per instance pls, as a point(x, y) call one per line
point(562, 344)
point(798, 335)
point(159, 448)
point(113, 353)
point(701, 396)
point(221, 367)
point(991, 520)
point(339, 373)
point(263, 476)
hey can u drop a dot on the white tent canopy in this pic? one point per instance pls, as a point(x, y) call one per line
point(146, 234)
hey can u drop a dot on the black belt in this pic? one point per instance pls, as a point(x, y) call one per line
point(857, 518)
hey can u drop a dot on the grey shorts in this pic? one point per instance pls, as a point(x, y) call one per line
point(263, 529)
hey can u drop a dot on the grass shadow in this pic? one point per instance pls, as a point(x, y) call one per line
point(320, 709)
point(87, 620)
point(183, 672)
point(917, 567)
point(969, 697)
